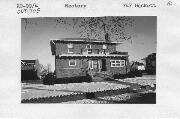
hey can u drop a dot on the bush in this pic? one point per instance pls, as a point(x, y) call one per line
point(119, 76)
point(49, 79)
point(137, 73)
point(78, 79)
point(130, 75)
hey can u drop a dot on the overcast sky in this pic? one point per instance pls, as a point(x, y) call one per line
point(35, 39)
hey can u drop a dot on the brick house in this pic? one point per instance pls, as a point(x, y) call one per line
point(75, 57)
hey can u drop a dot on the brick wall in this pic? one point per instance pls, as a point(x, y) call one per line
point(114, 70)
point(64, 70)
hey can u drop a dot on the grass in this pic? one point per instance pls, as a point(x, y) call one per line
point(94, 92)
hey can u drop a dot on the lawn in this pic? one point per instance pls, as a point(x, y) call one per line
point(129, 90)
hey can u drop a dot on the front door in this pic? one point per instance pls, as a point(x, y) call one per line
point(94, 65)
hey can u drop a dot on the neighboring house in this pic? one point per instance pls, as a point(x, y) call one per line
point(150, 63)
point(76, 57)
point(30, 70)
point(137, 66)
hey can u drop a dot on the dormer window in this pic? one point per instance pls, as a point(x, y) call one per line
point(70, 48)
point(104, 47)
point(88, 46)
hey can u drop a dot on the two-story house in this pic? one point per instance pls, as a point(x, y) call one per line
point(75, 57)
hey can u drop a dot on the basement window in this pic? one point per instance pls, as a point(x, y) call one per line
point(72, 62)
point(117, 63)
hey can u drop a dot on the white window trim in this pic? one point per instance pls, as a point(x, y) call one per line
point(69, 46)
point(70, 63)
point(69, 50)
point(87, 47)
point(118, 63)
point(89, 51)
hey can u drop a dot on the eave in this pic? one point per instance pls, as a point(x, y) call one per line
point(84, 41)
point(90, 56)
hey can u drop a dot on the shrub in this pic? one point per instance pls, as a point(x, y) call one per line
point(49, 79)
point(130, 75)
point(78, 79)
point(137, 73)
point(119, 76)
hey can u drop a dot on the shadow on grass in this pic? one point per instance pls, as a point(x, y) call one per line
point(148, 98)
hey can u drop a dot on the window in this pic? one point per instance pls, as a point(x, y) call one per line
point(70, 45)
point(88, 46)
point(89, 51)
point(104, 47)
point(72, 62)
point(117, 63)
point(70, 48)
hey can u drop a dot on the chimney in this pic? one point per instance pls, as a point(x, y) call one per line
point(106, 37)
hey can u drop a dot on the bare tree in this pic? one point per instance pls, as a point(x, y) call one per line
point(100, 27)
point(111, 27)
point(49, 68)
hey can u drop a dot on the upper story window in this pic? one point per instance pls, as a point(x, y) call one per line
point(70, 48)
point(104, 47)
point(88, 46)
point(117, 63)
point(70, 45)
point(89, 51)
point(72, 62)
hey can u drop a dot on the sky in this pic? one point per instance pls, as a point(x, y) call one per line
point(36, 35)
